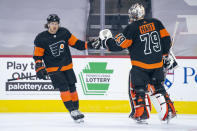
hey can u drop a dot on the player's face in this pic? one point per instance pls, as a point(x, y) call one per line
point(53, 27)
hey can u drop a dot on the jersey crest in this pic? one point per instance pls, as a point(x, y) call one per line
point(57, 48)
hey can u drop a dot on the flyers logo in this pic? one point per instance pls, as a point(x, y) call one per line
point(57, 48)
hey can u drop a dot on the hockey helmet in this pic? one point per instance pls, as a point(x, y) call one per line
point(53, 18)
point(136, 12)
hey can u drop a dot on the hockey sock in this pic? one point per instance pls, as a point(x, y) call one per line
point(66, 98)
point(74, 96)
point(75, 100)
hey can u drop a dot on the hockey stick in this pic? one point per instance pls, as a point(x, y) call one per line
point(21, 78)
point(170, 51)
point(26, 77)
point(174, 34)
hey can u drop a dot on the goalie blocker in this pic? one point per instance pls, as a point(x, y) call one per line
point(169, 62)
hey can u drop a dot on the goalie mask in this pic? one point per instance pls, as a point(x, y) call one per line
point(136, 12)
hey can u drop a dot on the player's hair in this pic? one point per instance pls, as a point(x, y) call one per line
point(46, 26)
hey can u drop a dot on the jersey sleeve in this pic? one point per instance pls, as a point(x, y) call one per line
point(38, 49)
point(165, 38)
point(76, 43)
point(121, 41)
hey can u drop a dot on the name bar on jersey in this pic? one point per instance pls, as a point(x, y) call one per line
point(147, 28)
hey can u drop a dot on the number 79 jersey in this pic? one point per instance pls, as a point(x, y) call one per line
point(146, 40)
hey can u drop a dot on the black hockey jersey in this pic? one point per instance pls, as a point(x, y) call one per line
point(54, 49)
point(146, 40)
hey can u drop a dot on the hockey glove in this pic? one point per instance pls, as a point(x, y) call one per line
point(41, 72)
point(166, 62)
point(94, 44)
point(104, 35)
point(170, 62)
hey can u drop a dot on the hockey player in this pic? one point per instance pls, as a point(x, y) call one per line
point(147, 42)
point(52, 57)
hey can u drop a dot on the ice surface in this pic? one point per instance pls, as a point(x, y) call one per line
point(93, 122)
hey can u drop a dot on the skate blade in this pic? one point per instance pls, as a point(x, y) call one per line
point(143, 122)
point(79, 121)
point(169, 118)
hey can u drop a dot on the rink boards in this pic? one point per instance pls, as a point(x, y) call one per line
point(102, 85)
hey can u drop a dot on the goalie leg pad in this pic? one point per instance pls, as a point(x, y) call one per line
point(162, 103)
point(140, 103)
point(171, 107)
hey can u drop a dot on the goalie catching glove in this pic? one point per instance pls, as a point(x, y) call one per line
point(41, 72)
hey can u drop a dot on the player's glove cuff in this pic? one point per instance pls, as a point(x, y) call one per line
point(94, 44)
point(41, 72)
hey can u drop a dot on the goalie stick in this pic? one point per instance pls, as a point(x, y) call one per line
point(173, 58)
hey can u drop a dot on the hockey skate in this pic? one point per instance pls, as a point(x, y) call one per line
point(141, 119)
point(170, 116)
point(77, 116)
point(171, 110)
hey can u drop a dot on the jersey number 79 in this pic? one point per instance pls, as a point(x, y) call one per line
point(151, 41)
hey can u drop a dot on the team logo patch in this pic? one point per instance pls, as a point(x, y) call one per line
point(57, 48)
point(120, 38)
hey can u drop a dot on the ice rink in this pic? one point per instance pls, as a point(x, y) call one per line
point(93, 122)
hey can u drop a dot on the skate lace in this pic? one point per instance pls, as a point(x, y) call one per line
point(74, 113)
point(78, 112)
